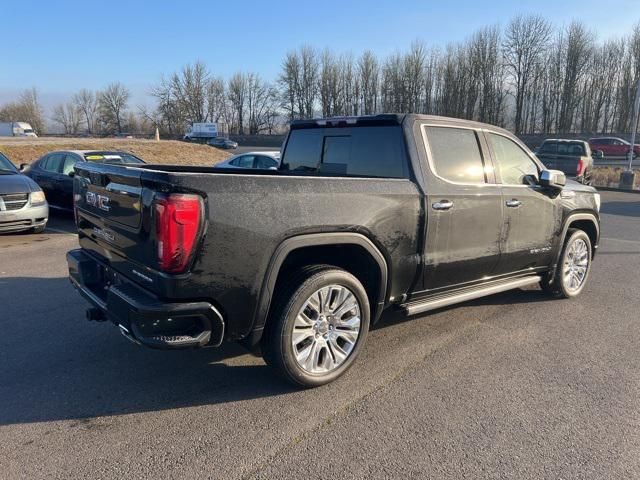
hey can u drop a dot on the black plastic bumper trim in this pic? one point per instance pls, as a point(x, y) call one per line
point(131, 307)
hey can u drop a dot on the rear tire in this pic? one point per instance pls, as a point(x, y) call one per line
point(573, 267)
point(318, 325)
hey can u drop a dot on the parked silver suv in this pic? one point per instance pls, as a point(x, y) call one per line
point(22, 202)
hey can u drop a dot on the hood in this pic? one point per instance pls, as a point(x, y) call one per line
point(17, 183)
point(578, 187)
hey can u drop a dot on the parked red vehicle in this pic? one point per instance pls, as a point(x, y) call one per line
point(613, 146)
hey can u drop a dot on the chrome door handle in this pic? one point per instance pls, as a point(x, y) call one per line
point(513, 203)
point(442, 205)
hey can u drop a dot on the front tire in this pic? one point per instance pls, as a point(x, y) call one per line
point(573, 268)
point(318, 326)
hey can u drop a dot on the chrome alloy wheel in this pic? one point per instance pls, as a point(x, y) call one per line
point(576, 265)
point(326, 329)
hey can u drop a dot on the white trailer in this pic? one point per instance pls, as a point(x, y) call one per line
point(16, 129)
point(202, 131)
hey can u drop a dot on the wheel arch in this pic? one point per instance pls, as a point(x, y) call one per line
point(585, 221)
point(354, 248)
point(588, 223)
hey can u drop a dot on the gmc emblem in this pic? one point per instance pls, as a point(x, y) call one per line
point(98, 201)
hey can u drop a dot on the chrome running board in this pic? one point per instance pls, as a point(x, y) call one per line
point(440, 301)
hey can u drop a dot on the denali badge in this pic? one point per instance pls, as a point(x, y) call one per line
point(104, 234)
point(98, 201)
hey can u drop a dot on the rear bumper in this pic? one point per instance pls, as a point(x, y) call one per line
point(24, 219)
point(141, 316)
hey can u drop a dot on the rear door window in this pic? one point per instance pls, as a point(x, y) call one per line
point(53, 163)
point(245, 161)
point(455, 154)
point(265, 162)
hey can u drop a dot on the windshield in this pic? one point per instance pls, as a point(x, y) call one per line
point(6, 165)
point(112, 157)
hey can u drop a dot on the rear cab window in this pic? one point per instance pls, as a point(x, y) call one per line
point(549, 147)
point(367, 151)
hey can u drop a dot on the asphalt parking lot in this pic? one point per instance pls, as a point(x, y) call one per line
point(511, 386)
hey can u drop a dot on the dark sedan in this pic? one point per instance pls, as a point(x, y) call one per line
point(224, 143)
point(54, 171)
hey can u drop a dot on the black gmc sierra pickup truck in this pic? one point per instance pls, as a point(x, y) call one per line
point(408, 212)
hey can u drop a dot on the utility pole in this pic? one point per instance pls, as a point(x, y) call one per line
point(634, 123)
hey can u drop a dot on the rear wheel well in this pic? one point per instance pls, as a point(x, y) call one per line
point(350, 257)
point(588, 227)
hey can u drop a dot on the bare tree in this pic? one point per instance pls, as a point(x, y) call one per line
point(308, 82)
point(368, 71)
point(413, 72)
point(216, 100)
point(578, 48)
point(68, 116)
point(237, 94)
point(112, 104)
point(525, 41)
point(190, 89)
point(259, 100)
point(26, 109)
point(329, 85)
point(85, 100)
point(289, 82)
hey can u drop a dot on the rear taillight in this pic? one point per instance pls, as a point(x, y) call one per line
point(178, 219)
point(580, 169)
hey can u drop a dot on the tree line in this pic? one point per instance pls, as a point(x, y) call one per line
point(529, 76)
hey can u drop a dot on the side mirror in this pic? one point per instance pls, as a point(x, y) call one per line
point(72, 173)
point(554, 179)
point(24, 167)
point(597, 154)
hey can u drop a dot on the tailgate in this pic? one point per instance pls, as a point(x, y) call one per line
point(548, 160)
point(112, 193)
point(568, 164)
point(109, 211)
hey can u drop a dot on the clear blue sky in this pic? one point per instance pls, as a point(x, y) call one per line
point(61, 46)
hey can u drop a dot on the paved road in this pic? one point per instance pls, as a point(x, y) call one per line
point(511, 386)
